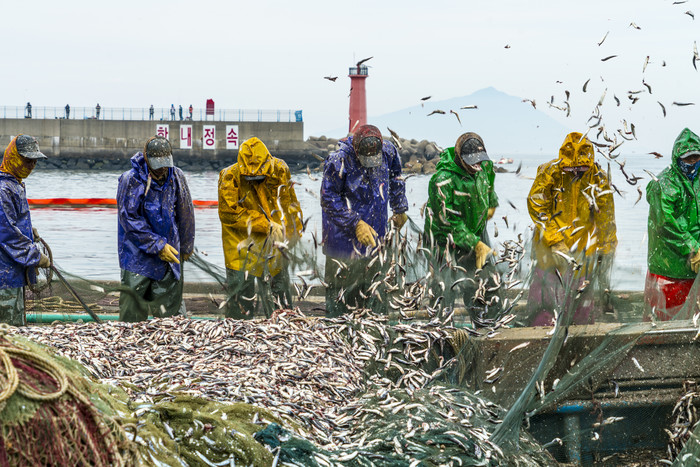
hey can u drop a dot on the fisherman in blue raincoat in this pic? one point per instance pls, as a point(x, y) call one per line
point(19, 256)
point(156, 226)
point(360, 180)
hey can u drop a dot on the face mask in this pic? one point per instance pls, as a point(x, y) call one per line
point(254, 178)
point(577, 171)
point(689, 170)
point(17, 165)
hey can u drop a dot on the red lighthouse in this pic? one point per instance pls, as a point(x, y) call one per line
point(358, 100)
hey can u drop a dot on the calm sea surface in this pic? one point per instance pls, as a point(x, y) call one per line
point(84, 241)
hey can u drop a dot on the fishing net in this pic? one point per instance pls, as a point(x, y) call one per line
point(51, 413)
point(595, 378)
point(47, 414)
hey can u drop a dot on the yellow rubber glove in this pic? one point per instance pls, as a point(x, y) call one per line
point(44, 262)
point(276, 232)
point(365, 234)
point(399, 220)
point(35, 233)
point(695, 262)
point(482, 251)
point(491, 212)
point(169, 254)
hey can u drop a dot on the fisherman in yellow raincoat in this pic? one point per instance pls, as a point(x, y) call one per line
point(571, 204)
point(260, 217)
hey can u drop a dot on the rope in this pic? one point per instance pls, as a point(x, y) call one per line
point(67, 305)
point(13, 383)
point(12, 378)
point(47, 367)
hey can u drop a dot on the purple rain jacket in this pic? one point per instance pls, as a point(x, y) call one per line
point(18, 253)
point(147, 221)
point(351, 192)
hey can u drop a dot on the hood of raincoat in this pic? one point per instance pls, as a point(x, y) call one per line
point(247, 208)
point(351, 192)
point(576, 152)
point(149, 216)
point(674, 215)
point(13, 163)
point(577, 209)
point(687, 142)
point(254, 158)
point(18, 253)
point(458, 202)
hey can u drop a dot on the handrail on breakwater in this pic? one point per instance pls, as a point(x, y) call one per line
point(160, 114)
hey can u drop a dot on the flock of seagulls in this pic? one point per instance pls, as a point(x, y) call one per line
point(606, 141)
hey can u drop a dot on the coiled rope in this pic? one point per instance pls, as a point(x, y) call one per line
point(10, 380)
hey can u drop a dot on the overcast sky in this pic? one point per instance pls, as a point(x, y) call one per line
point(274, 55)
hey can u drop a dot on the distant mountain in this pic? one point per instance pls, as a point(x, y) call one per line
point(508, 125)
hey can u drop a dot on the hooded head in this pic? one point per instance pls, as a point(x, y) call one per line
point(686, 153)
point(367, 143)
point(470, 152)
point(20, 156)
point(254, 160)
point(576, 154)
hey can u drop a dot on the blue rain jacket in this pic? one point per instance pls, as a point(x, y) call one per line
point(147, 221)
point(18, 253)
point(351, 192)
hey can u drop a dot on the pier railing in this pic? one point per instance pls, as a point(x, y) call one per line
point(158, 114)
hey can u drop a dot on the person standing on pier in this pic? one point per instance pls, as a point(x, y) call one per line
point(360, 181)
point(180, 110)
point(156, 226)
point(150, 112)
point(260, 218)
point(461, 200)
point(28, 110)
point(191, 111)
point(67, 111)
point(673, 256)
point(19, 256)
point(172, 111)
point(571, 203)
point(97, 110)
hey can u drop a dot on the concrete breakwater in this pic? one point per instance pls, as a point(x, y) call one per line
point(109, 144)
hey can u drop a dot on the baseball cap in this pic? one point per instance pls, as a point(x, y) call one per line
point(27, 146)
point(159, 153)
point(472, 151)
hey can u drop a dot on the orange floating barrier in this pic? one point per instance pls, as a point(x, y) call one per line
point(96, 202)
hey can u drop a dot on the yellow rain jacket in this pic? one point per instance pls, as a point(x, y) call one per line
point(570, 205)
point(246, 209)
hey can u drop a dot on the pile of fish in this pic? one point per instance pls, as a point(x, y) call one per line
point(438, 425)
point(297, 367)
point(329, 377)
point(684, 427)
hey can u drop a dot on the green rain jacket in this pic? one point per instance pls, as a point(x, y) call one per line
point(458, 202)
point(674, 222)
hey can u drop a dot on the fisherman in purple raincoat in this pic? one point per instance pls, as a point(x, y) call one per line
point(360, 180)
point(156, 226)
point(19, 256)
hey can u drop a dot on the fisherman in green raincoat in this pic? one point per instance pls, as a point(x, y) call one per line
point(674, 230)
point(461, 199)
